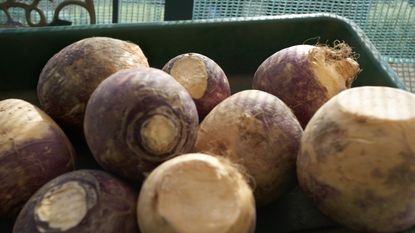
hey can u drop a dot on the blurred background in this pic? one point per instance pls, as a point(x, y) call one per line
point(389, 24)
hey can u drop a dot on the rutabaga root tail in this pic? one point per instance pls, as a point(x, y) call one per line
point(341, 56)
point(250, 180)
point(339, 51)
point(241, 170)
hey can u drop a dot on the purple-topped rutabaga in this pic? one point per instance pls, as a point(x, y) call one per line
point(71, 75)
point(306, 76)
point(258, 131)
point(33, 150)
point(202, 77)
point(136, 119)
point(81, 201)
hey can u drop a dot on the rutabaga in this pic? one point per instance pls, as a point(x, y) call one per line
point(202, 77)
point(33, 150)
point(306, 76)
point(136, 119)
point(196, 193)
point(81, 201)
point(71, 75)
point(259, 132)
point(357, 159)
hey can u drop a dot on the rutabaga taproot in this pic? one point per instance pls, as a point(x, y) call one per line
point(306, 76)
point(81, 201)
point(196, 193)
point(357, 159)
point(202, 77)
point(33, 150)
point(136, 119)
point(71, 75)
point(258, 131)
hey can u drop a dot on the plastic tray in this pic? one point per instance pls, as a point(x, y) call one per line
point(238, 45)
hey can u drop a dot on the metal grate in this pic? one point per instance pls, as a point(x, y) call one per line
point(389, 24)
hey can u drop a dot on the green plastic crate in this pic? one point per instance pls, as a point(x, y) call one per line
point(239, 46)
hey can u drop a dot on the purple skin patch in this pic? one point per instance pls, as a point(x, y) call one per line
point(131, 97)
point(401, 221)
point(111, 205)
point(317, 191)
point(328, 140)
point(366, 201)
point(287, 75)
point(52, 99)
point(29, 165)
point(272, 116)
point(217, 89)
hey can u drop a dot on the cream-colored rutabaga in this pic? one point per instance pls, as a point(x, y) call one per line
point(196, 193)
point(33, 150)
point(259, 132)
point(357, 159)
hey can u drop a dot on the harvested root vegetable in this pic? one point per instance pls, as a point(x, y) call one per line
point(136, 119)
point(196, 193)
point(33, 150)
point(259, 132)
point(81, 201)
point(356, 160)
point(71, 75)
point(202, 77)
point(306, 76)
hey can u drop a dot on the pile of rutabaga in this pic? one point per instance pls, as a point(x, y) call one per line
point(177, 152)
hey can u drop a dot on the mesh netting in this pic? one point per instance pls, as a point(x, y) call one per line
point(141, 11)
point(130, 11)
point(406, 71)
point(390, 24)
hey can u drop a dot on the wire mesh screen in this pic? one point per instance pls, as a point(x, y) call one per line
point(141, 11)
point(103, 11)
point(129, 11)
point(390, 24)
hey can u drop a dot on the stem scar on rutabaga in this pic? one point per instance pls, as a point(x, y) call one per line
point(81, 201)
point(202, 77)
